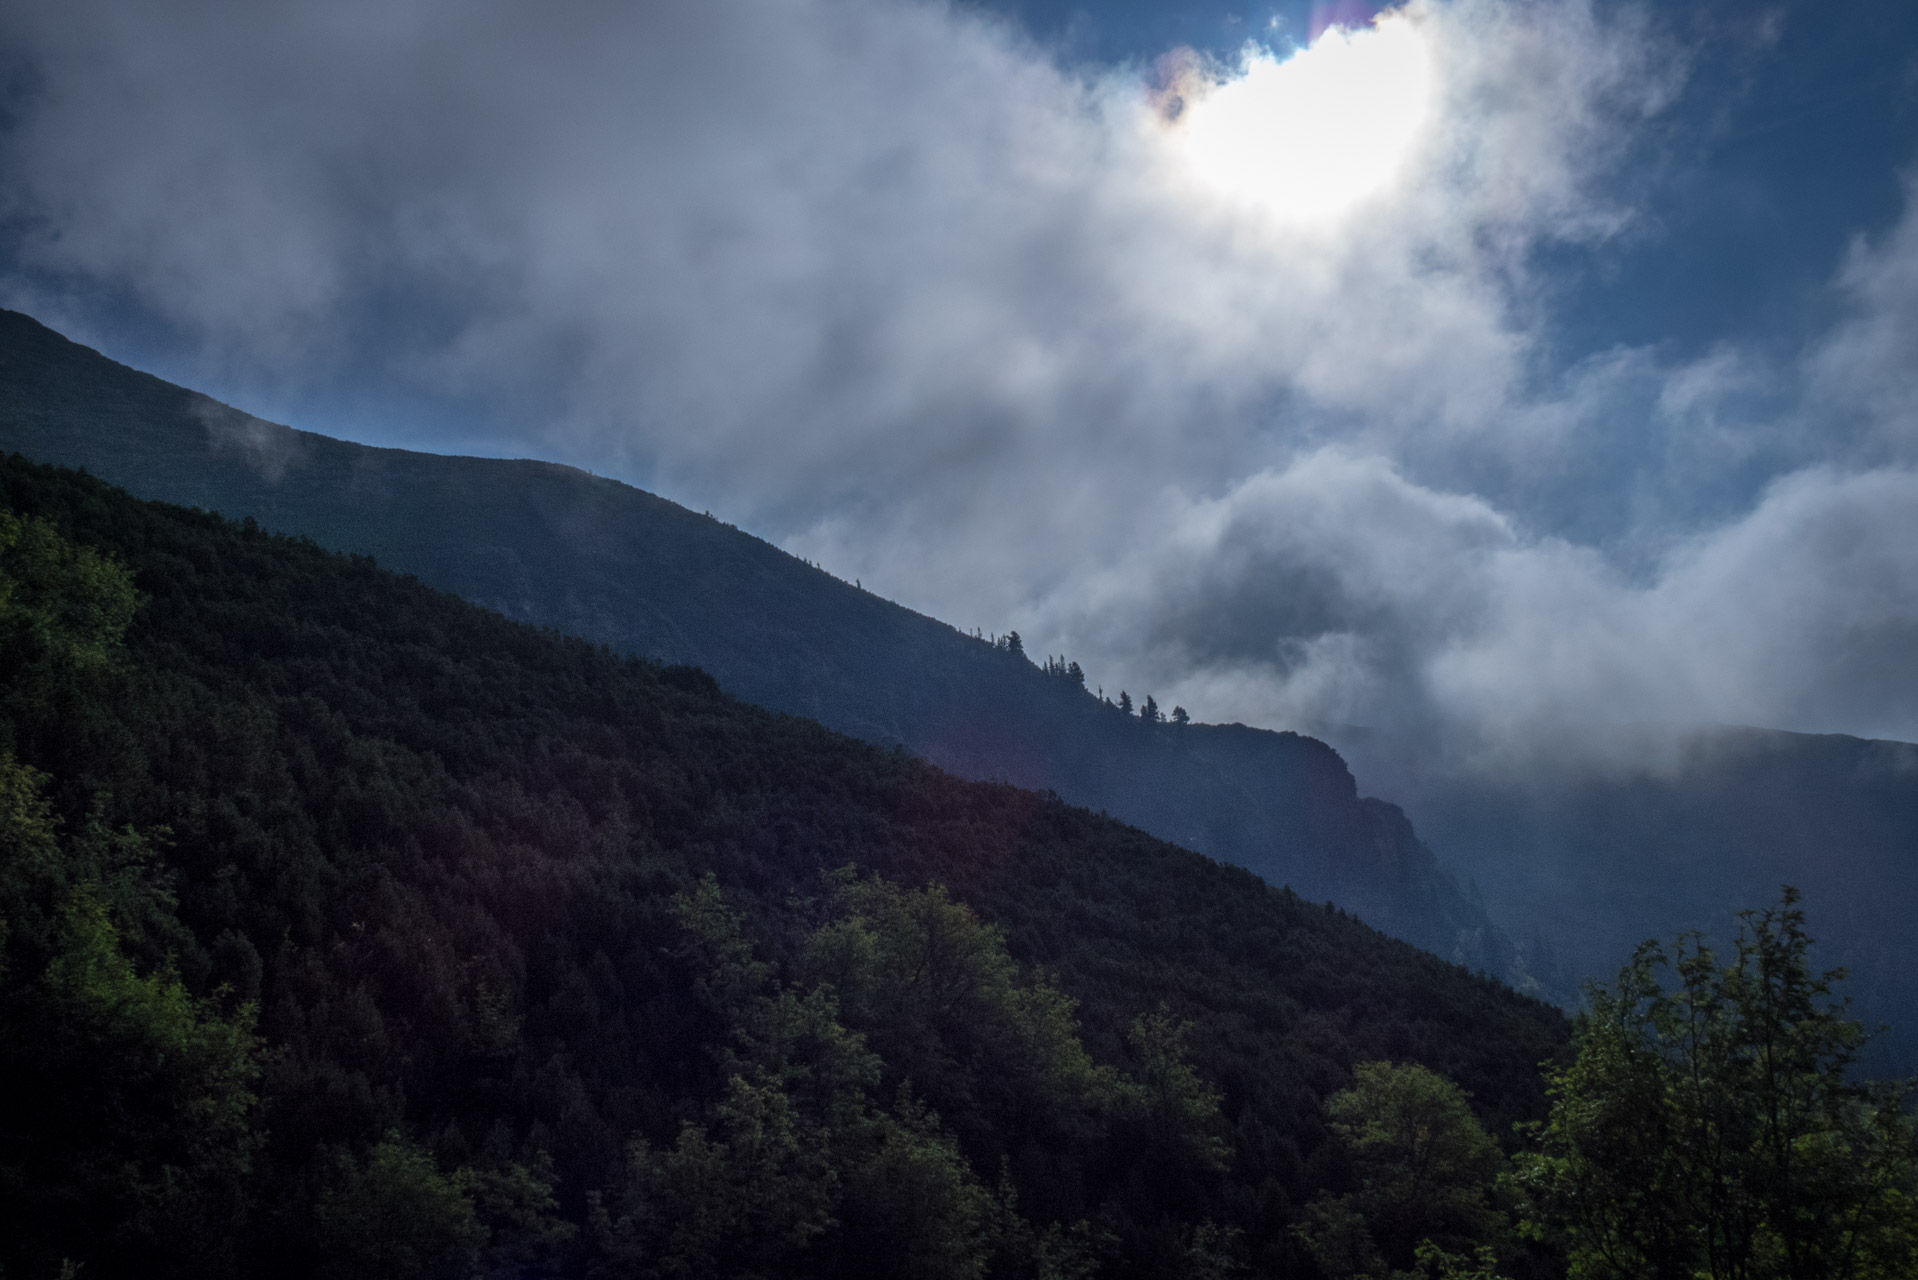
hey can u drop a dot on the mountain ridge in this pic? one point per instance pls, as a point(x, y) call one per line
point(1713, 821)
point(590, 556)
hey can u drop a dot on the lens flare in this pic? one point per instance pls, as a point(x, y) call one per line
point(1309, 137)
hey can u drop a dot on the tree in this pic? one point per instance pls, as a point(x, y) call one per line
point(398, 1218)
point(1149, 710)
point(741, 1196)
point(1178, 1109)
point(1424, 1168)
point(1713, 1129)
point(1179, 716)
point(799, 1169)
point(912, 1206)
point(933, 990)
point(60, 603)
point(129, 1127)
point(1125, 702)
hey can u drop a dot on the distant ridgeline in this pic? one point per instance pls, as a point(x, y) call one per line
point(353, 930)
point(1606, 860)
point(601, 560)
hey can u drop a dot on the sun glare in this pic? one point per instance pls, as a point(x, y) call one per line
point(1310, 136)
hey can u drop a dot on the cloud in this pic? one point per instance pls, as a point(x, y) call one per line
point(883, 280)
point(271, 450)
point(1865, 370)
point(871, 233)
point(1337, 592)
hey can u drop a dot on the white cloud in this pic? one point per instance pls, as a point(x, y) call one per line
point(1338, 592)
point(1869, 365)
point(857, 240)
point(878, 278)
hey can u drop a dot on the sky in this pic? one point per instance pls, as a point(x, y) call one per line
point(1491, 372)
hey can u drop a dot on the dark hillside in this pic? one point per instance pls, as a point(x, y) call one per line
point(598, 559)
point(441, 852)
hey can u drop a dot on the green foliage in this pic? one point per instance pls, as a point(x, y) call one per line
point(745, 1203)
point(30, 864)
point(140, 1095)
point(395, 1216)
point(1178, 1109)
point(1212, 1253)
point(1434, 1263)
point(516, 1204)
point(1713, 1127)
point(60, 604)
point(790, 1038)
point(1424, 1169)
point(1053, 1252)
point(93, 985)
point(822, 1156)
point(133, 1099)
point(945, 1006)
point(395, 1213)
point(913, 1206)
point(796, 1149)
point(470, 877)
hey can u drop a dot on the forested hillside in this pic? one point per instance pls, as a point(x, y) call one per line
point(351, 929)
point(602, 560)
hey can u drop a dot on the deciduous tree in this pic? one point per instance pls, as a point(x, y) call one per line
point(1424, 1168)
point(1711, 1125)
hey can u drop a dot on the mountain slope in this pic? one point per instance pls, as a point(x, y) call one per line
point(601, 560)
point(1612, 856)
point(439, 852)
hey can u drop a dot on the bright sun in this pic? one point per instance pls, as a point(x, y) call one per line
point(1313, 135)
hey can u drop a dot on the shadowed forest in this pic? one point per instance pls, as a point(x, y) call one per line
point(353, 930)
